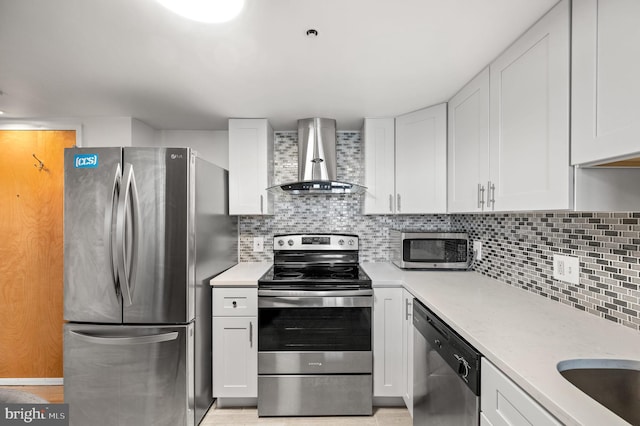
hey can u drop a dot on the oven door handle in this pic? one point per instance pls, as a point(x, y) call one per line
point(311, 293)
point(315, 302)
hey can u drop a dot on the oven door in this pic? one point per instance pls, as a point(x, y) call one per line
point(314, 321)
point(314, 353)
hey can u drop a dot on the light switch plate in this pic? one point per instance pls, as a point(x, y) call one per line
point(258, 244)
point(566, 268)
point(477, 248)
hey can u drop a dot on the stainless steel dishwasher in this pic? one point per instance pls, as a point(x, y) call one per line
point(446, 373)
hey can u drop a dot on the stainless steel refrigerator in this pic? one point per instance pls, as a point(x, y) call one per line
point(144, 231)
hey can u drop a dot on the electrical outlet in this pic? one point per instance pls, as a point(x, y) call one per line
point(477, 248)
point(566, 268)
point(258, 244)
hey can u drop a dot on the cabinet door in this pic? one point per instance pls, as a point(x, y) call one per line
point(379, 165)
point(468, 146)
point(503, 403)
point(250, 166)
point(235, 357)
point(605, 111)
point(529, 118)
point(387, 342)
point(421, 161)
point(407, 349)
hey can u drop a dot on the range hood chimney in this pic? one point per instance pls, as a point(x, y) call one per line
point(317, 161)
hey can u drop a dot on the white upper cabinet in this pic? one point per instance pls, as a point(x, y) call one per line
point(250, 166)
point(529, 119)
point(379, 165)
point(605, 71)
point(421, 161)
point(405, 163)
point(468, 146)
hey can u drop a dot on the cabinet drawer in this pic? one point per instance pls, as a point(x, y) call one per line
point(235, 302)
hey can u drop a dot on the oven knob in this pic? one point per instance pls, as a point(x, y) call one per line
point(290, 242)
point(341, 242)
point(280, 243)
point(351, 242)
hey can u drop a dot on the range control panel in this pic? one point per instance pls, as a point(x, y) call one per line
point(315, 242)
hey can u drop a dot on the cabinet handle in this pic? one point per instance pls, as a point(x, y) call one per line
point(480, 196)
point(235, 304)
point(407, 313)
point(261, 204)
point(491, 195)
point(390, 203)
point(398, 203)
point(250, 334)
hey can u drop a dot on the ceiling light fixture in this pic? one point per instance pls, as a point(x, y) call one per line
point(208, 11)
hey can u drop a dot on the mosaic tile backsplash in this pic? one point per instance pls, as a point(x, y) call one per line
point(517, 248)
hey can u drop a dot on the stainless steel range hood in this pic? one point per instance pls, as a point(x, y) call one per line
point(317, 161)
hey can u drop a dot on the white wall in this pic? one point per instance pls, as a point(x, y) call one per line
point(211, 145)
point(142, 134)
point(92, 131)
point(106, 131)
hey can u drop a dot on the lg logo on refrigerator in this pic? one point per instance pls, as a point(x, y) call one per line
point(85, 161)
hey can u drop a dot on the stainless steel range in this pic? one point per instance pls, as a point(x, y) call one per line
point(314, 329)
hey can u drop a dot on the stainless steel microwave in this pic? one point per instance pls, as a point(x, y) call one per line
point(430, 250)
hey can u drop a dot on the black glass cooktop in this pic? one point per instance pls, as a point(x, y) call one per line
point(315, 276)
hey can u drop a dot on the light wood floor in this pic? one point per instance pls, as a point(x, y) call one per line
point(382, 416)
point(53, 394)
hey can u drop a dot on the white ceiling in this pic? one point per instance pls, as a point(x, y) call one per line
point(372, 58)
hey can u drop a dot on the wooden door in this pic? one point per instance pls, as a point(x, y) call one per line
point(31, 252)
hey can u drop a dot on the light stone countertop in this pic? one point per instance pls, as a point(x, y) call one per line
point(245, 274)
point(523, 334)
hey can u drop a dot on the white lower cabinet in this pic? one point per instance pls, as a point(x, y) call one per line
point(235, 343)
point(503, 403)
point(484, 421)
point(407, 349)
point(387, 342)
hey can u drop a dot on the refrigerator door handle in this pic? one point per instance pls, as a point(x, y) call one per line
point(122, 341)
point(108, 226)
point(137, 226)
point(127, 272)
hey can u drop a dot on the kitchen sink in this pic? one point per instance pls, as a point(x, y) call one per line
point(614, 383)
